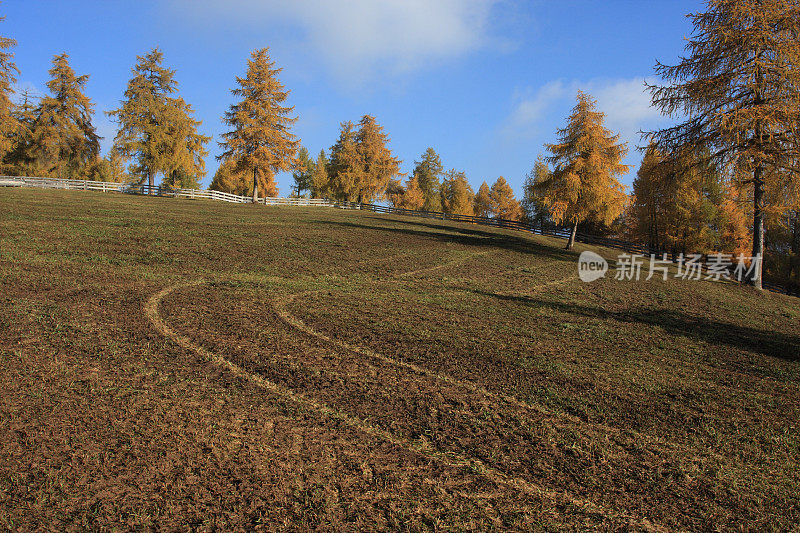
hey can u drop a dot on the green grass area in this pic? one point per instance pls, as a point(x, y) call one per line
point(314, 368)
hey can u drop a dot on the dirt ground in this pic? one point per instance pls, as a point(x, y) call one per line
point(178, 365)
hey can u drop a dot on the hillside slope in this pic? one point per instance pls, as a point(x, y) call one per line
point(174, 364)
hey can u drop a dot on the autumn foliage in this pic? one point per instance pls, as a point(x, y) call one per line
point(361, 164)
point(587, 159)
point(260, 142)
point(737, 91)
point(682, 203)
point(457, 196)
point(156, 127)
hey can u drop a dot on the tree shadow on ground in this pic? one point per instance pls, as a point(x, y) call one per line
point(465, 236)
point(770, 343)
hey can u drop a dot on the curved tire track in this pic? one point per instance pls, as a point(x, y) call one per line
point(151, 311)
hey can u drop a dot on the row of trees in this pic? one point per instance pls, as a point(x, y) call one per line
point(453, 194)
point(157, 133)
point(361, 168)
point(52, 135)
point(159, 136)
point(734, 156)
point(737, 92)
point(682, 202)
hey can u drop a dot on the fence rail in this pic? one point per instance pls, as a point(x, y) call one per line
point(158, 190)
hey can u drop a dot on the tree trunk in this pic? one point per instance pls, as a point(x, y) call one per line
point(571, 240)
point(150, 182)
point(758, 227)
point(656, 240)
point(794, 257)
point(255, 185)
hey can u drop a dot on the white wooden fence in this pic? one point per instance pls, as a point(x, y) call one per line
point(87, 185)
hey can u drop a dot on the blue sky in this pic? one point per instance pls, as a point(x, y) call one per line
point(485, 83)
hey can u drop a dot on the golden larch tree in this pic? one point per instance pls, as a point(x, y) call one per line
point(23, 158)
point(738, 88)
point(502, 202)
point(533, 207)
point(428, 171)
point(413, 196)
point(583, 185)
point(649, 199)
point(65, 142)
point(260, 143)
point(345, 169)
point(186, 147)
point(734, 227)
point(456, 193)
point(110, 168)
point(482, 204)
point(156, 129)
point(9, 125)
point(319, 177)
point(227, 179)
point(683, 203)
point(378, 163)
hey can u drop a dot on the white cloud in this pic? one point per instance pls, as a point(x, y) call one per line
point(360, 38)
point(625, 102)
point(531, 109)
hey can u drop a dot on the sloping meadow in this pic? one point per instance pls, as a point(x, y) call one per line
point(177, 364)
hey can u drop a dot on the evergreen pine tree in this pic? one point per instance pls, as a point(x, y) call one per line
point(303, 171)
point(260, 142)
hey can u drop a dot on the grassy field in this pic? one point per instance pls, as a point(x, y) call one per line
point(195, 365)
